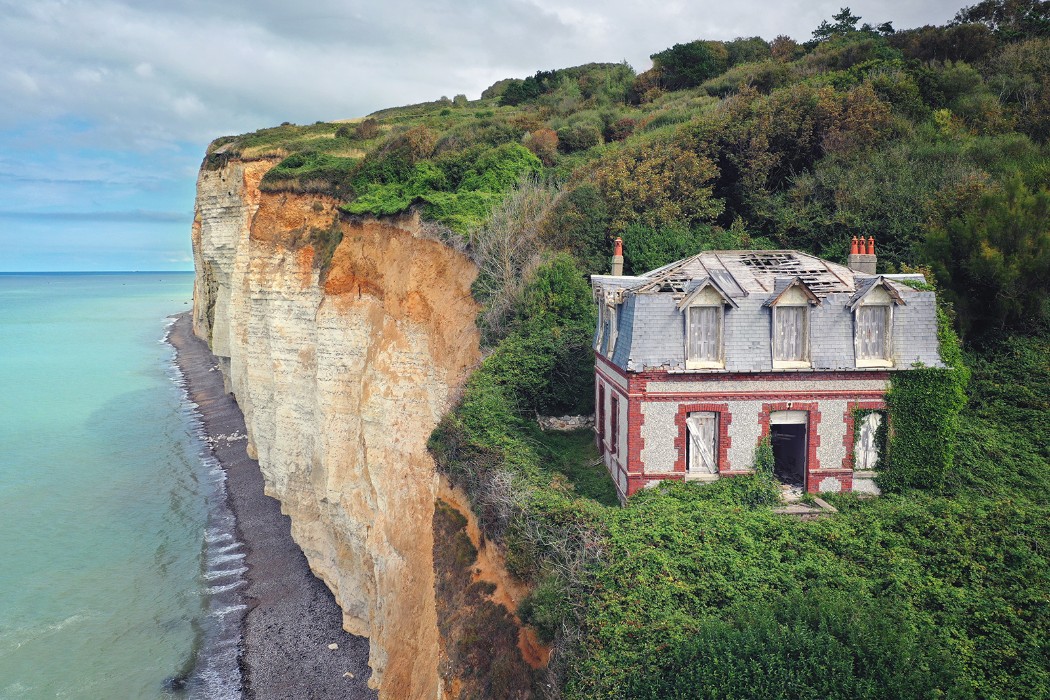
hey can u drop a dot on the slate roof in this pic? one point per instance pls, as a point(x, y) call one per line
point(651, 327)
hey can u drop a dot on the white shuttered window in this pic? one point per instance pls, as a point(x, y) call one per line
point(872, 332)
point(704, 338)
point(789, 333)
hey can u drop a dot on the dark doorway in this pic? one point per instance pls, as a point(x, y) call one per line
point(789, 453)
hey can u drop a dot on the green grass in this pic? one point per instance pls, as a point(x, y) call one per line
point(574, 455)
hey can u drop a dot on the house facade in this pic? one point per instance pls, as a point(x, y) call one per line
point(697, 361)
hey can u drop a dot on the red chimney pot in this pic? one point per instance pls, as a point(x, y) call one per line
point(618, 246)
point(853, 250)
point(871, 245)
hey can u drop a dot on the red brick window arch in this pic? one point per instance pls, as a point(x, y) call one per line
point(681, 441)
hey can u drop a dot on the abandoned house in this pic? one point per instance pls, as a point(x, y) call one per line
point(698, 360)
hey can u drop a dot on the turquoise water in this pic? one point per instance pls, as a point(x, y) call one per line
point(103, 493)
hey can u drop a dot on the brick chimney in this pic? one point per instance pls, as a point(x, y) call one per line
point(862, 255)
point(617, 258)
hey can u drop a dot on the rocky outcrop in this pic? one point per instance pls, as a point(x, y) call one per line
point(344, 343)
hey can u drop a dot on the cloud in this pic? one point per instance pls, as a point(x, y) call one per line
point(149, 72)
point(108, 104)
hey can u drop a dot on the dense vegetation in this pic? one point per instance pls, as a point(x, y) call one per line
point(934, 141)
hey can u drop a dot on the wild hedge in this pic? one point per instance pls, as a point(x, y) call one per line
point(458, 190)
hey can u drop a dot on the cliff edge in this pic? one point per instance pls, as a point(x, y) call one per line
point(344, 342)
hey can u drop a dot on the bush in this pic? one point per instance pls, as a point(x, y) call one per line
point(620, 129)
point(457, 190)
point(763, 77)
point(367, 129)
point(577, 224)
point(805, 646)
point(309, 171)
point(660, 184)
point(993, 261)
point(688, 65)
point(507, 250)
point(579, 137)
point(544, 145)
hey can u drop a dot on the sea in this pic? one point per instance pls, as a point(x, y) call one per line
point(119, 564)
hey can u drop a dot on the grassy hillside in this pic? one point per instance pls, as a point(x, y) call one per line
point(934, 141)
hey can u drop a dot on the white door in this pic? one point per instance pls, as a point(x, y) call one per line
point(703, 442)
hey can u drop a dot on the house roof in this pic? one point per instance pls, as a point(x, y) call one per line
point(651, 329)
point(743, 272)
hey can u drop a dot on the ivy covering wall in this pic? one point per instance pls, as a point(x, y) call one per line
point(924, 405)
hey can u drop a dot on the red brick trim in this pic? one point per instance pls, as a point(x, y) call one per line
point(845, 478)
point(770, 396)
point(681, 436)
point(635, 441)
point(850, 421)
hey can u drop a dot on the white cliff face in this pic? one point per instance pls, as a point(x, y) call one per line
point(341, 377)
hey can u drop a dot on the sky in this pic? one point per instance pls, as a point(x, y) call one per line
point(107, 106)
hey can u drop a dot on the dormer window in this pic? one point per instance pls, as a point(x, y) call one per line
point(704, 337)
point(790, 325)
point(791, 334)
point(610, 329)
point(872, 308)
point(873, 333)
point(704, 309)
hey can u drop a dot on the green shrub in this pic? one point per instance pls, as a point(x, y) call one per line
point(993, 260)
point(579, 137)
point(366, 130)
point(688, 65)
point(807, 645)
point(577, 223)
point(309, 171)
point(455, 191)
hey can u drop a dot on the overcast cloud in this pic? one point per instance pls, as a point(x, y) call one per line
point(108, 105)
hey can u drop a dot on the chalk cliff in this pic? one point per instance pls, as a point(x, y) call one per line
point(342, 368)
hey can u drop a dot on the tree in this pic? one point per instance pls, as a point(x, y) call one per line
point(660, 184)
point(747, 50)
point(785, 49)
point(994, 260)
point(845, 23)
point(1011, 19)
point(687, 65)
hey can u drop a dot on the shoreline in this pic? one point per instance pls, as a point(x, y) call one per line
point(292, 617)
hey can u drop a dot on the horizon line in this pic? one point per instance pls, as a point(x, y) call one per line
point(91, 272)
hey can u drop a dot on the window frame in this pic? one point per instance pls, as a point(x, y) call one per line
point(720, 361)
point(612, 319)
point(614, 423)
point(807, 359)
point(887, 359)
point(716, 439)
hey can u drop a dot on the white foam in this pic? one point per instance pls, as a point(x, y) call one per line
point(213, 590)
point(222, 573)
point(221, 612)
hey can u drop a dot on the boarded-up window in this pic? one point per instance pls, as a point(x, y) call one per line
point(866, 449)
point(614, 429)
point(601, 414)
point(789, 333)
point(873, 332)
point(610, 314)
point(703, 442)
point(704, 334)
